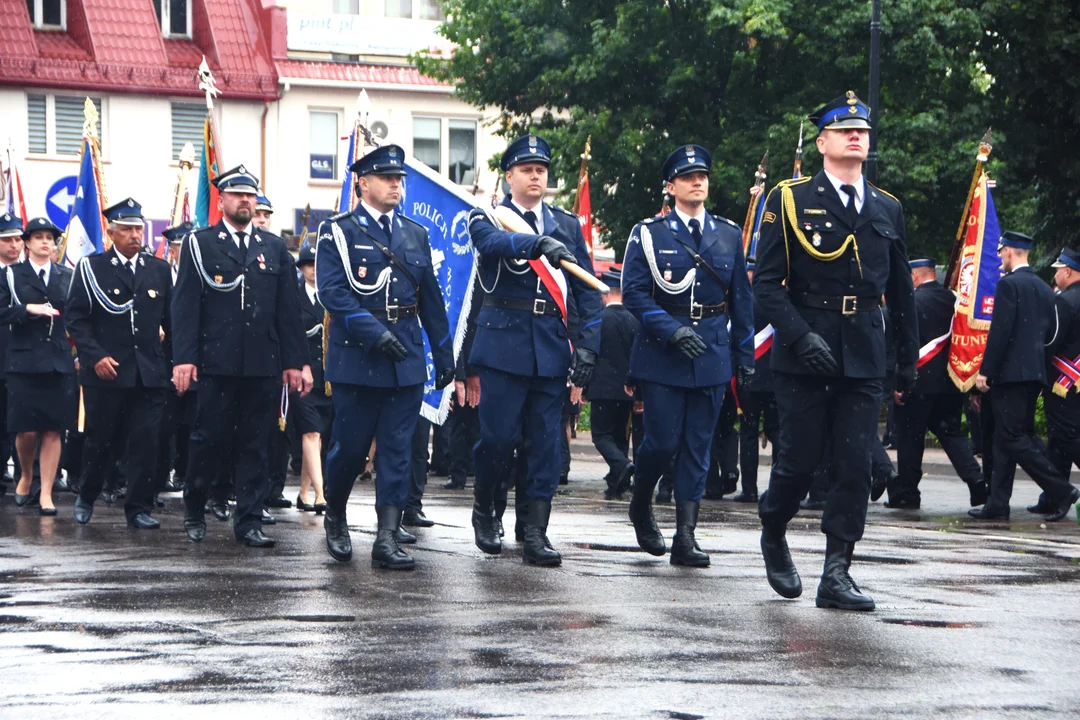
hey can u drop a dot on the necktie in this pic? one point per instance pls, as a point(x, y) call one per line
point(131, 267)
point(384, 220)
point(852, 211)
point(530, 217)
point(41, 274)
point(695, 230)
point(242, 237)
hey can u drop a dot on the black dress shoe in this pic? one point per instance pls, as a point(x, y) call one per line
point(904, 502)
point(23, 500)
point(47, 512)
point(303, 506)
point(61, 485)
point(453, 485)
point(1043, 507)
point(710, 494)
point(143, 521)
point(267, 518)
point(779, 567)
point(438, 472)
point(83, 511)
point(158, 502)
point(880, 482)
point(221, 512)
point(731, 483)
point(564, 479)
point(366, 476)
point(255, 538)
point(812, 504)
point(279, 502)
point(746, 496)
point(195, 529)
point(338, 542)
point(416, 519)
point(319, 508)
point(108, 497)
point(986, 512)
point(1063, 506)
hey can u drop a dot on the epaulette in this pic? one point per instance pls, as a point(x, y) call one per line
point(414, 222)
point(884, 192)
point(790, 182)
point(564, 212)
point(653, 219)
point(339, 216)
point(724, 219)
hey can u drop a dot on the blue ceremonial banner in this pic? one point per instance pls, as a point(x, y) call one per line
point(84, 233)
point(443, 208)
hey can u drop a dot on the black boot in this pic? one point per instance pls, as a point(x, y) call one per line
point(386, 552)
point(649, 538)
point(487, 537)
point(779, 568)
point(404, 537)
point(338, 541)
point(538, 550)
point(837, 589)
point(684, 548)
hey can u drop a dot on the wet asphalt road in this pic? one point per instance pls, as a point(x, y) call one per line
point(973, 621)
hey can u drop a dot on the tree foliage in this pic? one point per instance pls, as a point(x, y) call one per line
point(738, 76)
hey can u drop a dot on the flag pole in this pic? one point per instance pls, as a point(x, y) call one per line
point(981, 158)
point(797, 170)
point(187, 161)
point(206, 84)
point(755, 201)
point(583, 182)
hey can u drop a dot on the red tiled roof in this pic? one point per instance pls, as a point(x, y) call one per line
point(16, 33)
point(360, 74)
point(124, 32)
point(183, 53)
point(59, 46)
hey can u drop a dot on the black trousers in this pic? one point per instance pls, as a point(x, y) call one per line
point(172, 439)
point(724, 456)
point(1015, 441)
point(464, 434)
point(1063, 430)
point(233, 420)
point(418, 465)
point(816, 412)
point(940, 414)
point(758, 408)
point(440, 446)
point(519, 480)
point(611, 434)
point(114, 420)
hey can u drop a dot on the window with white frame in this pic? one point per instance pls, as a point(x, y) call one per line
point(427, 142)
point(462, 151)
point(48, 14)
point(323, 145)
point(346, 7)
point(447, 146)
point(174, 17)
point(415, 9)
point(188, 120)
point(55, 123)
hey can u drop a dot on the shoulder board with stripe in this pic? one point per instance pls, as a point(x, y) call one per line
point(653, 220)
point(340, 216)
point(791, 182)
point(883, 192)
point(723, 219)
point(414, 222)
point(563, 211)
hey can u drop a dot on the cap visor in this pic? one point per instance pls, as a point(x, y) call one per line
point(248, 189)
point(848, 124)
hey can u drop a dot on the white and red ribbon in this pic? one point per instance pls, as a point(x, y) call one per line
point(932, 349)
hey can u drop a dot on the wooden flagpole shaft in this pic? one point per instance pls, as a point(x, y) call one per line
point(510, 220)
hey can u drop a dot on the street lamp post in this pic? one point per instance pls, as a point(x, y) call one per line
point(875, 87)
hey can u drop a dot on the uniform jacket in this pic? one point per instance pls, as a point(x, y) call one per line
point(653, 359)
point(37, 344)
point(211, 329)
point(1024, 322)
point(351, 354)
point(517, 341)
point(312, 314)
point(934, 306)
point(618, 331)
point(786, 269)
point(98, 333)
point(5, 334)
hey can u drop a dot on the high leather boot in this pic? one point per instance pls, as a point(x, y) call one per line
point(487, 537)
point(684, 548)
point(386, 552)
point(837, 589)
point(779, 567)
point(338, 541)
point(648, 534)
point(538, 550)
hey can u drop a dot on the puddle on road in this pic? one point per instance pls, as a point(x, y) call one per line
point(320, 618)
point(950, 624)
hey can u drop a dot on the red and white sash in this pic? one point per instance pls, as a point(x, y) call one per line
point(932, 349)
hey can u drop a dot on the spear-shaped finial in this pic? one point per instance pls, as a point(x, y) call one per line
point(90, 119)
point(206, 83)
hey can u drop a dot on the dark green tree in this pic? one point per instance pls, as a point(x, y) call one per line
point(736, 76)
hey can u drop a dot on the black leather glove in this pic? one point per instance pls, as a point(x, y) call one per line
point(443, 378)
point(743, 377)
point(584, 362)
point(553, 250)
point(391, 347)
point(812, 349)
point(905, 377)
point(688, 342)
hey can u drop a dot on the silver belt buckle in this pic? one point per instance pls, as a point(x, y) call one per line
point(539, 307)
point(849, 305)
point(392, 313)
point(697, 311)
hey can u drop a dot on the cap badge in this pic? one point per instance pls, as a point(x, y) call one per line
point(852, 109)
point(851, 99)
point(243, 169)
point(131, 203)
point(393, 152)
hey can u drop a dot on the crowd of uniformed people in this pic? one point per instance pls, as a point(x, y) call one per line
point(204, 371)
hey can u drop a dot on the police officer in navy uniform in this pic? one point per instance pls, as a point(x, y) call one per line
point(684, 279)
point(522, 350)
point(935, 403)
point(117, 310)
point(831, 245)
point(237, 331)
point(375, 278)
point(1013, 371)
point(39, 366)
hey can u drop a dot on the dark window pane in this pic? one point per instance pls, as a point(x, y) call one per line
point(50, 11)
point(178, 17)
point(30, 6)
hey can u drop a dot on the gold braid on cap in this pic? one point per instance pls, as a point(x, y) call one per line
point(788, 200)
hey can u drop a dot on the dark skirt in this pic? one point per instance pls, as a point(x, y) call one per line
point(312, 413)
point(39, 402)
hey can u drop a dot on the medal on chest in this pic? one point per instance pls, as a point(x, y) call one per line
point(262, 262)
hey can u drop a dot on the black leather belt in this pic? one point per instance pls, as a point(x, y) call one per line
point(536, 307)
point(695, 311)
point(393, 313)
point(844, 304)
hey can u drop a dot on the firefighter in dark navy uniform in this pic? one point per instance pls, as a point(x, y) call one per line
point(117, 311)
point(684, 279)
point(237, 332)
point(525, 345)
point(375, 277)
point(831, 247)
